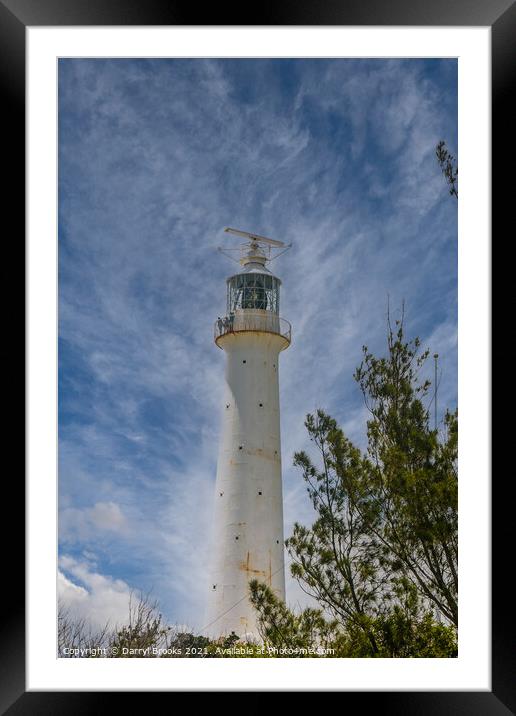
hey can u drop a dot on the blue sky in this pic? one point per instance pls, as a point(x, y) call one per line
point(156, 157)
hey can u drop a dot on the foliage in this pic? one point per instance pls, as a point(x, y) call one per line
point(144, 635)
point(448, 167)
point(144, 632)
point(407, 493)
point(381, 557)
point(76, 637)
point(231, 647)
point(403, 632)
point(281, 629)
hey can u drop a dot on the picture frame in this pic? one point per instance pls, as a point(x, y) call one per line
point(15, 17)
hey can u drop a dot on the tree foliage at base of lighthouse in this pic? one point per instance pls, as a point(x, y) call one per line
point(381, 557)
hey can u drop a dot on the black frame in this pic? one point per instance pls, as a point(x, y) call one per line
point(15, 16)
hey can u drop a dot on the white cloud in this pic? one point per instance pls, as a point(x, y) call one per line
point(95, 597)
point(70, 594)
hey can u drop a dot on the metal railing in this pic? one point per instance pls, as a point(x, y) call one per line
point(245, 320)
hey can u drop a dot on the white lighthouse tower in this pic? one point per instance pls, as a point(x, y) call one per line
point(248, 512)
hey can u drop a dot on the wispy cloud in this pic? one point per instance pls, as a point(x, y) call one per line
point(79, 524)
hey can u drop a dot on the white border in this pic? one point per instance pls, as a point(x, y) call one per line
point(471, 670)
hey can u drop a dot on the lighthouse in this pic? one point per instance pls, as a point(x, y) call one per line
point(248, 504)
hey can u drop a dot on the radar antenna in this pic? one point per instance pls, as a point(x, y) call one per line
point(256, 245)
point(255, 238)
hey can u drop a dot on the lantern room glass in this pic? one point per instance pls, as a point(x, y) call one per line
point(255, 291)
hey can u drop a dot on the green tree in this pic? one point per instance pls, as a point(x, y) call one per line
point(281, 629)
point(337, 559)
point(404, 631)
point(408, 494)
point(381, 556)
point(448, 167)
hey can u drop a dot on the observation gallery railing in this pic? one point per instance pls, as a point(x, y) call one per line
point(246, 320)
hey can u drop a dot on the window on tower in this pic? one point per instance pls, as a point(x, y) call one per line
point(253, 291)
